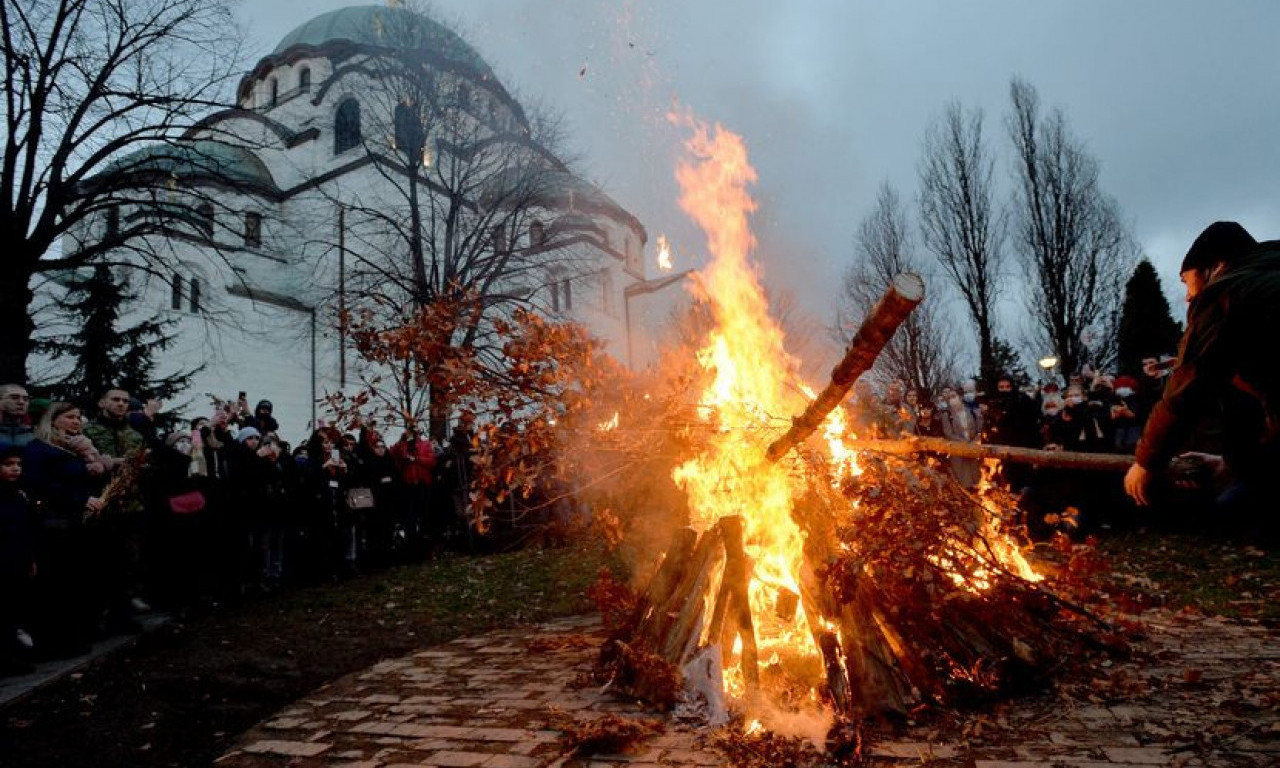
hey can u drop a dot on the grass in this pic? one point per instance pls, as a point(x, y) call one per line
point(1198, 572)
point(181, 695)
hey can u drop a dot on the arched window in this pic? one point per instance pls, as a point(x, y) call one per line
point(252, 229)
point(204, 219)
point(175, 300)
point(275, 92)
point(346, 126)
point(304, 80)
point(409, 133)
point(195, 295)
point(537, 234)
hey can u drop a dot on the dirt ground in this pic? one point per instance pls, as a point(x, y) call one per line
point(181, 695)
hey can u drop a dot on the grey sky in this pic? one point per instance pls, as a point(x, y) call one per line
point(1179, 100)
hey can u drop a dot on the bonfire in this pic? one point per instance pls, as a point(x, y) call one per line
point(813, 578)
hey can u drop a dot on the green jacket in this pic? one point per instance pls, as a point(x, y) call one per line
point(114, 438)
point(1232, 340)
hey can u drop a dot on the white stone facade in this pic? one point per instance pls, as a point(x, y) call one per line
point(264, 317)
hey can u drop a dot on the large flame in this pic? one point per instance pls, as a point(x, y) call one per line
point(749, 395)
point(754, 388)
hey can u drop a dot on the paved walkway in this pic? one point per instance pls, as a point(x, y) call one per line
point(1201, 692)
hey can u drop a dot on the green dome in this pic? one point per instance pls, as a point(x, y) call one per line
point(384, 27)
point(201, 158)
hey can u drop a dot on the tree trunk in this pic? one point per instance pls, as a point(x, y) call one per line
point(16, 326)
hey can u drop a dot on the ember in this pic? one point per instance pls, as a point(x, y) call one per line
point(821, 581)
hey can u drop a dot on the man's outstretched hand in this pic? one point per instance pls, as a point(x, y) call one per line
point(1136, 482)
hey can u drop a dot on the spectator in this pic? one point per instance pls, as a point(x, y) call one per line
point(1127, 415)
point(1012, 419)
point(15, 423)
point(378, 473)
point(122, 532)
point(178, 498)
point(18, 530)
point(63, 472)
point(262, 419)
point(325, 481)
point(963, 423)
point(415, 458)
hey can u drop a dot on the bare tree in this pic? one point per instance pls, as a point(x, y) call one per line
point(470, 206)
point(1076, 252)
point(87, 84)
point(921, 353)
point(959, 221)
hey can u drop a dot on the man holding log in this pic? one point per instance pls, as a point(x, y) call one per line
point(1229, 355)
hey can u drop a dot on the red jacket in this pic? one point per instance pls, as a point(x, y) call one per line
point(416, 460)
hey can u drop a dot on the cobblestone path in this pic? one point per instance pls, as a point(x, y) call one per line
point(1200, 692)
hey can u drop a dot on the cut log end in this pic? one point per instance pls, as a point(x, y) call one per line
point(909, 286)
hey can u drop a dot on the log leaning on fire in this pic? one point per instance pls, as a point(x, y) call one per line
point(904, 295)
point(1107, 462)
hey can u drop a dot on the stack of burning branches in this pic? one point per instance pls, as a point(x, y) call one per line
point(911, 590)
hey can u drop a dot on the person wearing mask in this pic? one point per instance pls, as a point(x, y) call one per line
point(1011, 419)
point(963, 424)
point(1127, 415)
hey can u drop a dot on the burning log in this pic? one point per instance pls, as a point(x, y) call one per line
point(737, 576)
point(903, 296)
point(1105, 462)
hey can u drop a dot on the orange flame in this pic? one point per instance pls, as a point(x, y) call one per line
point(747, 399)
point(754, 388)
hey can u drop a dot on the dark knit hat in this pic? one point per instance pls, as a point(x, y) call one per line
point(1221, 241)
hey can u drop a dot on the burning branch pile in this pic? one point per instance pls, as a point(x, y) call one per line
point(867, 581)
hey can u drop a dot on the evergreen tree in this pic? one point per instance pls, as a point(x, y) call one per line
point(1147, 327)
point(104, 355)
point(1005, 361)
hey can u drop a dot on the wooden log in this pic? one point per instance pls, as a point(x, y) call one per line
point(1105, 462)
point(737, 573)
point(659, 589)
point(653, 634)
point(833, 665)
point(904, 294)
point(682, 638)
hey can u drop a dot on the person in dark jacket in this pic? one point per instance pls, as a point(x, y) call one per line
point(18, 530)
point(262, 418)
point(376, 470)
point(64, 473)
point(1234, 288)
point(178, 497)
point(15, 423)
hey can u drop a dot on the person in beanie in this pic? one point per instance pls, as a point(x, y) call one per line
point(262, 418)
point(1224, 359)
point(1221, 245)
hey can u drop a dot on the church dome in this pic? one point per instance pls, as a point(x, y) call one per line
point(199, 159)
point(384, 27)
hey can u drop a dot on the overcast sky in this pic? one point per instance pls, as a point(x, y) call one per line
point(1179, 100)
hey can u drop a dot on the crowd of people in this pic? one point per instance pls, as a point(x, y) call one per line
point(103, 517)
point(1094, 413)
